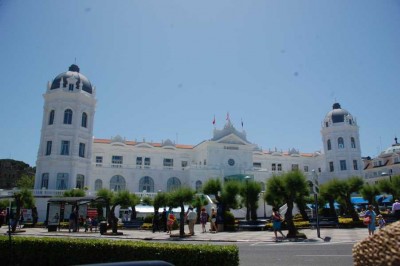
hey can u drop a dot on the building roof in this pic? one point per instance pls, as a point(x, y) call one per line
point(61, 80)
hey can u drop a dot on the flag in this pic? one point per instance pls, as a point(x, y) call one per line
point(214, 120)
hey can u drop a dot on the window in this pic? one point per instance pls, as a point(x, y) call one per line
point(71, 87)
point(173, 183)
point(353, 143)
point(199, 185)
point(65, 147)
point(62, 181)
point(146, 162)
point(205, 162)
point(116, 161)
point(340, 143)
point(355, 166)
point(326, 124)
point(184, 164)
point(295, 167)
point(98, 184)
point(51, 117)
point(82, 150)
point(117, 183)
point(168, 162)
point(343, 165)
point(48, 147)
point(273, 167)
point(329, 144)
point(257, 165)
point(68, 117)
point(306, 168)
point(80, 181)
point(84, 120)
point(331, 168)
point(99, 160)
point(139, 161)
point(45, 181)
point(146, 183)
point(279, 167)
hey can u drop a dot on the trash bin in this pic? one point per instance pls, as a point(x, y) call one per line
point(103, 227)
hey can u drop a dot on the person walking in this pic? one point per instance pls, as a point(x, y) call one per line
point(171, 221)
point(203, 219)
point(213, 221)
point(156, 221)
point(192, 218)
point(396, 209)
point(371, 215)
point(163, 220)
point(276, 223)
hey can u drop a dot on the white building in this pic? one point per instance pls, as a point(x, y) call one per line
point(69, 157)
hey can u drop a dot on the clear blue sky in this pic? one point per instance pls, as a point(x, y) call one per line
point(164, 68)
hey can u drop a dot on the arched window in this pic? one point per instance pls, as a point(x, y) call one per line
point(146, 183)
point(98, 184)
point(68, 116)
point(173, 183)
point(84, 120)
point(329, 144)
point(199, 185)
point(62, 181)
point(117, 183)
point(51, 117)
point(340, 143)
point(353, 143)
point(80, 181)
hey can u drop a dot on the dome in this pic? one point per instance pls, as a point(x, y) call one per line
point(395, 148)
point(73, 72)
point(338, 115)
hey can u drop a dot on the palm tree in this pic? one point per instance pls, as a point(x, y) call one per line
point(250, 192)
point(178, 198)
point(287, 188)
point(369, 193)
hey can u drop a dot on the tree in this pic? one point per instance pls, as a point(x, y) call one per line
point(287, 188)
point(22, 198)
point(369, 193)
point(75, 192)
point(178, 198)
point(329, 193)
point(160, 200)
point(391, 186)
point(26, 181)
point(250, 192)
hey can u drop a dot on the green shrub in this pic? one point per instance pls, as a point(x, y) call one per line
point(61, 251)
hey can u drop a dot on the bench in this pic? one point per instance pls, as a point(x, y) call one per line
point(325, 222)
point(135, 224)
point(252, 225)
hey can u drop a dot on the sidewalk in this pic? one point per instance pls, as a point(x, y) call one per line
point(331, 235)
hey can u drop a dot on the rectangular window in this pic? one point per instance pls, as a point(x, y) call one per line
point(80, 181)
point(99, 160)
point(343, 165)
point(116, 161)
point(65, 147)
point(184, 163)
point(306, 168)
point(355, 166)
point(168, 162)
point(273, 167)
point(48, 147)
point(257, 165)
point(331, 168)
point(71, 87)
point(139, 160)
point(295, 167)
point(146, 162)
point(82, 150)
point(62, 181)
point(45, 180)
point(279, 167)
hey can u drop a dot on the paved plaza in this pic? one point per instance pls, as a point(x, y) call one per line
point(328, 235)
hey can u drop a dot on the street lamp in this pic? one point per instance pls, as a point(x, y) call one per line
point(316, 191)
point(247, 197)
point(263, 195)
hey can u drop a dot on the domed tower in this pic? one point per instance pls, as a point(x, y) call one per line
point(65, 150)
point(340, 136)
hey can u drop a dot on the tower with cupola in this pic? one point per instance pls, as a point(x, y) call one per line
point(341, 140)
point(65, 150)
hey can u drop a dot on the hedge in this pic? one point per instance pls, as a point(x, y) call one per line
point(62, 251)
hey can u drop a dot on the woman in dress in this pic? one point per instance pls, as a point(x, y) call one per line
point(203, 219)
point(213, 221)
point(372, 215)
point(276, 223)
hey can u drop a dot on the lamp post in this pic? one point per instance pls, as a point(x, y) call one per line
point(247, 197)
point(263, 195)
point(316, 191)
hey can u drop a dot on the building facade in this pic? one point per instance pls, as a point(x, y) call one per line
point(69, 157)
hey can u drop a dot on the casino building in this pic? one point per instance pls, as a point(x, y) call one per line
point(69, 157)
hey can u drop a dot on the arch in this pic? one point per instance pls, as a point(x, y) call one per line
point(146, 183)
point(51, 117)
point(199, 185)
point(340, 143)
point(84, 120)
point(117, 183)
point(353, 142)
point(68, 117)
point(98, 184)
point(173, 183)
point(329, 144)
point(80, 181)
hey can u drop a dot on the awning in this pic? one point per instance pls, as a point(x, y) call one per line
point(239, 177)
point(358, 200)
